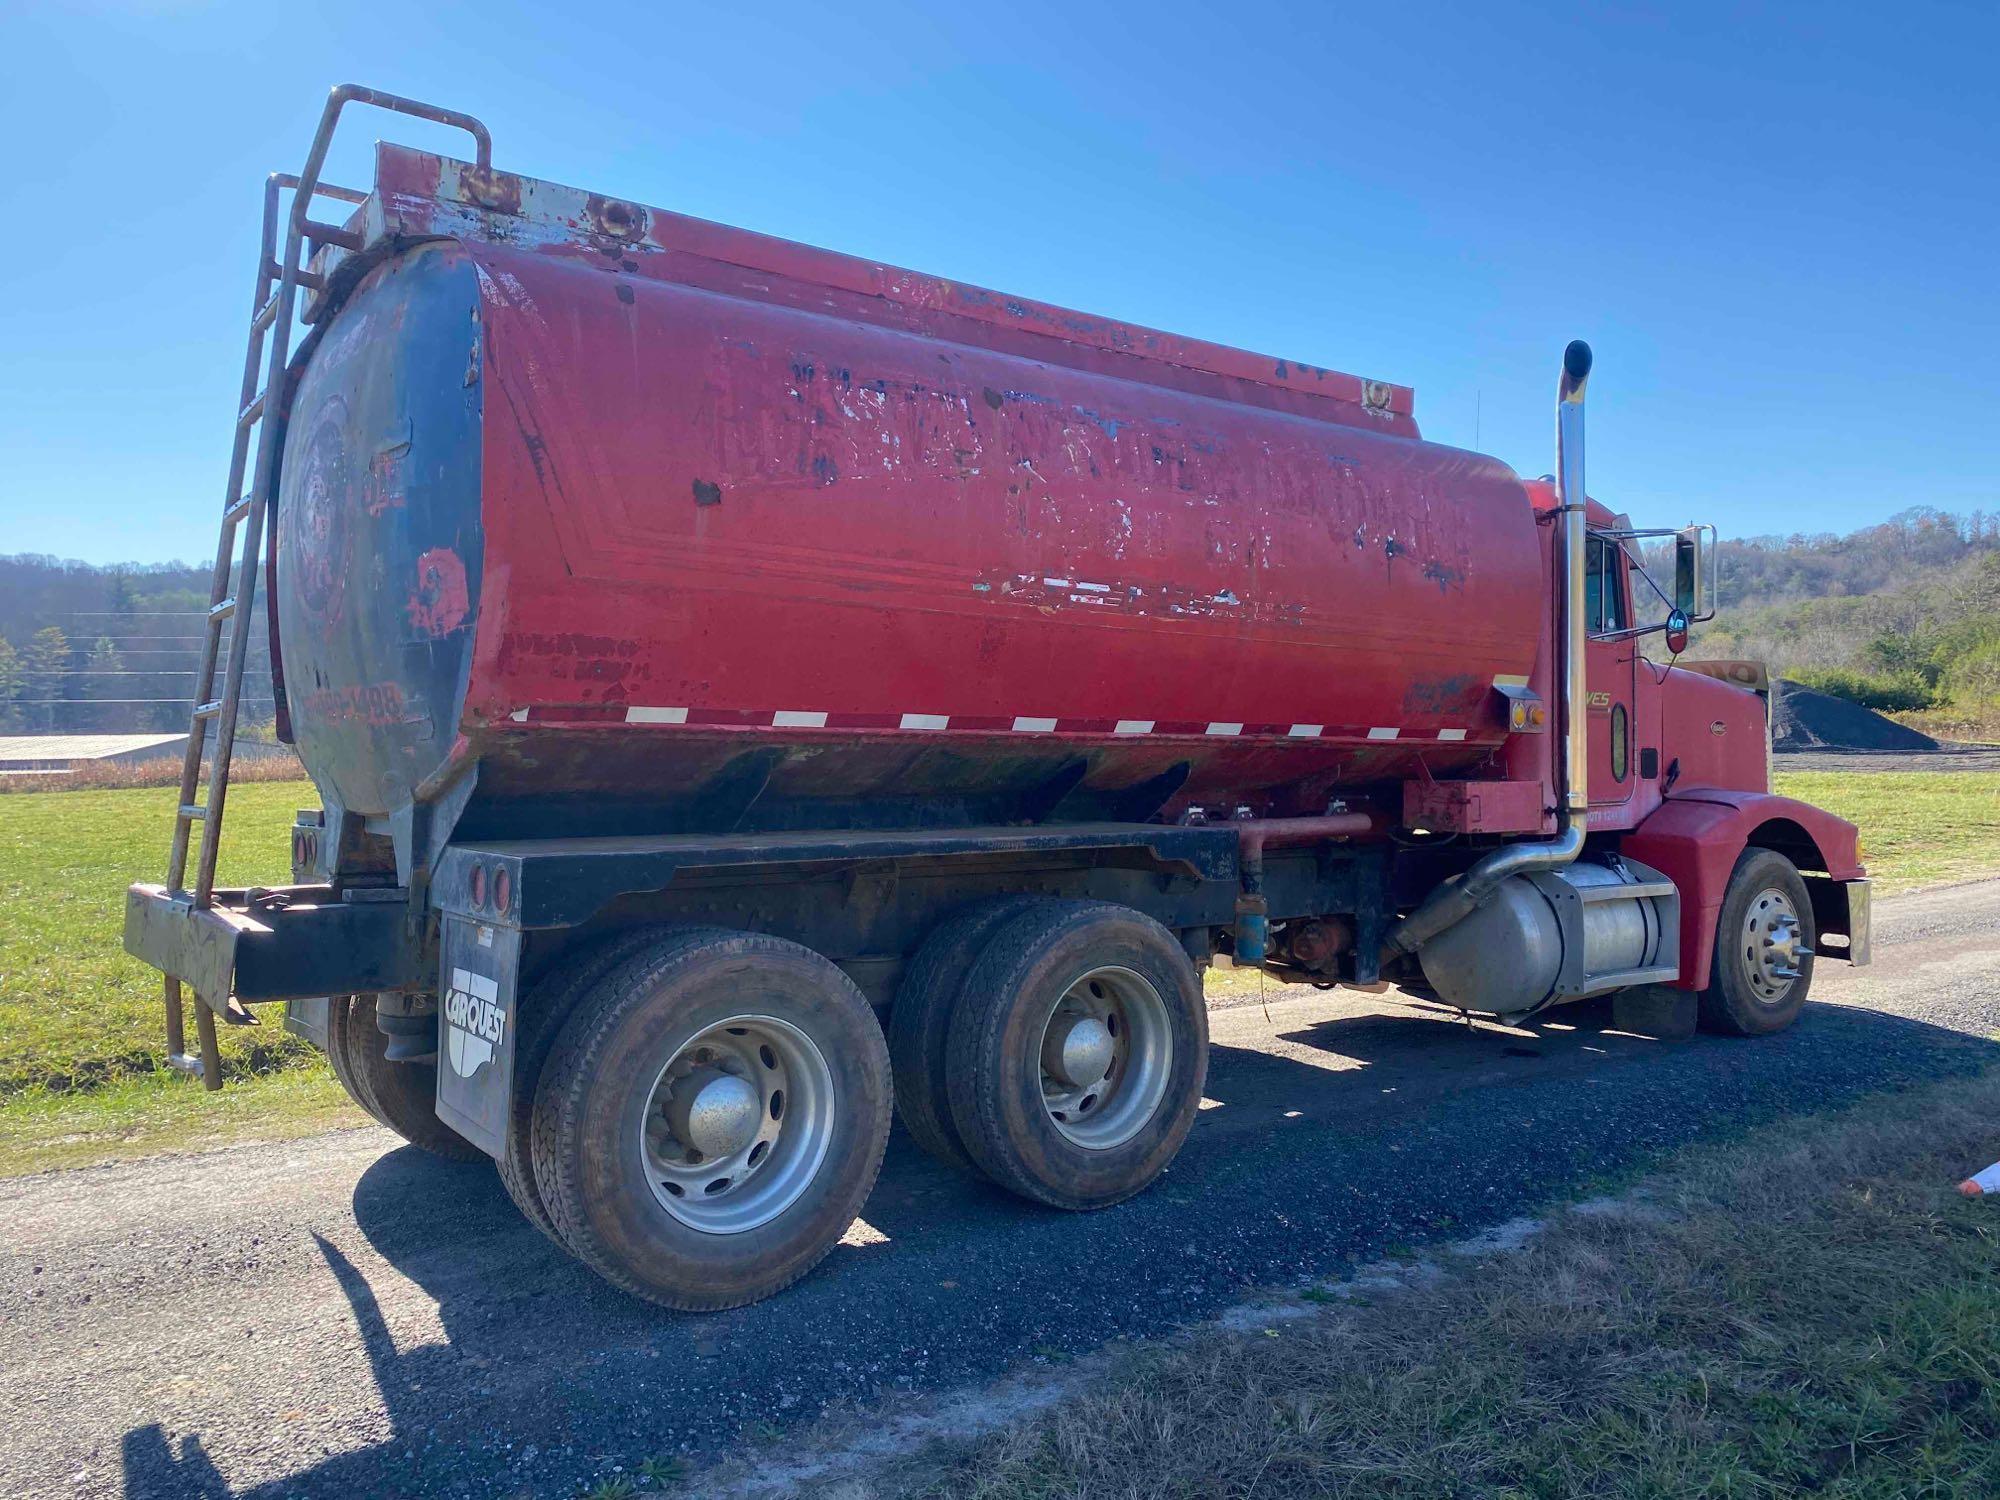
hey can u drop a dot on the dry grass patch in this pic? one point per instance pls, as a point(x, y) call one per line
point(97, 777)
point(1811, 1310)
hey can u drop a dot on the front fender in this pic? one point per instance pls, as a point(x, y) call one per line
point(1696, 839)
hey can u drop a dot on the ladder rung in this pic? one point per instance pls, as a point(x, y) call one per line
point(209, 709)
point(265, 315)
point(306, 279)
point(222, 611)
point(193, 811)
point(251, 412)
point(327, 234)
point(238, 511)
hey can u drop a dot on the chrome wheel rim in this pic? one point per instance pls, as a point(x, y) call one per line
point(737, 1124)
point(1773, 945)
point(1107, 1050)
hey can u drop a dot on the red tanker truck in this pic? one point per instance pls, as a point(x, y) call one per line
point(748, 687)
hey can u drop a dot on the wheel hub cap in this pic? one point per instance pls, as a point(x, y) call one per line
point(1078, 1050)
point(1773, 945)
point(715, 1112)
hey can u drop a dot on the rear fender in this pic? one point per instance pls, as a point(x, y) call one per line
point(1696, 839)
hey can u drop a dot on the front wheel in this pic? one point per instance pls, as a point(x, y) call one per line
point(711, 1118)
point(1763, 963)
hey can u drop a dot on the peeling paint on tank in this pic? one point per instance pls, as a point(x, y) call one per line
point(440, 602)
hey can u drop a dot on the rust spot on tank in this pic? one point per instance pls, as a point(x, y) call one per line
point(1444, 695)
point(626, 294)
point(707, 492)
point(993, 398)
point(615, 217)
point(440, 602)
point(498, 191)
point(1445, 578)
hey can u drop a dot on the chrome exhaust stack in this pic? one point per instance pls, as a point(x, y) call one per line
point(1573, 498)
point(1457, 899)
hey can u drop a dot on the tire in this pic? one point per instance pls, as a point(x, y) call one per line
point(336, 1051)
point(606, 1101)
point(1049, 958)
point(403, 1096)
point(920, 1023)
point(543, 1012)
point(1743, 998)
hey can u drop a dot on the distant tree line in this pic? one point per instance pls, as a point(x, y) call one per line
point(87, 649)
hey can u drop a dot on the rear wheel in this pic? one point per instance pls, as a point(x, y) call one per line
point(402, 1095)
point(920, 1023)
point(1077, 1054)
point(711, 1118)
point(542, 1015)
point(1764, 937)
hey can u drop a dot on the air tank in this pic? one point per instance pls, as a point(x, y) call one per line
point(698, 525)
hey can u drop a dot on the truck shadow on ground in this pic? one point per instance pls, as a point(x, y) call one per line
point(1317, 1148)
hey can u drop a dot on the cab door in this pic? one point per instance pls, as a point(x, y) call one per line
point(1610, 674)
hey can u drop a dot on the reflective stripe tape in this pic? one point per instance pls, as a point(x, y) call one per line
point(656, 716)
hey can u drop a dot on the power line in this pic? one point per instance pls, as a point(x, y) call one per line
point(143, 673)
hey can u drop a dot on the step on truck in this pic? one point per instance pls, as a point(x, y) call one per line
point(750, 688)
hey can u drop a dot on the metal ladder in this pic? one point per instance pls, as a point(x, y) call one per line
point(233, 588)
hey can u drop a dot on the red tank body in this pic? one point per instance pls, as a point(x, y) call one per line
point(699, 490)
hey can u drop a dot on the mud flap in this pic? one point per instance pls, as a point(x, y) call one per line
point(478, 979)
point(307, 1018)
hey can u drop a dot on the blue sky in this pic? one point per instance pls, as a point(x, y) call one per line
point(1778, 226)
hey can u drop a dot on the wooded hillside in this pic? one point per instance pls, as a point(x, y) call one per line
point(1901, 616)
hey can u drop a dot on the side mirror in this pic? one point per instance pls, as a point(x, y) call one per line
point(1677, 630)
point(1690, 577)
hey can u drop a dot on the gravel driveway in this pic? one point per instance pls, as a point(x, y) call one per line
point(342, 1316)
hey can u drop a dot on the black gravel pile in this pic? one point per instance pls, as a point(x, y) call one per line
point(1802, 719)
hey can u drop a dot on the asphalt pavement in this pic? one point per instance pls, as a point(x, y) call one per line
point(345, 1315)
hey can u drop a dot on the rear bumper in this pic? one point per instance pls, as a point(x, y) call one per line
point(281, 943)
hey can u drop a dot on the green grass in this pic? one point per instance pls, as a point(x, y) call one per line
point(82, 1048)
point(1918, 828)
point(152, 1113)
point(1811, 1310)
point(75, 1011)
